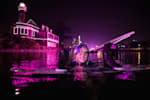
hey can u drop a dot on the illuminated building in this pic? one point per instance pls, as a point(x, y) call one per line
point(29, 29)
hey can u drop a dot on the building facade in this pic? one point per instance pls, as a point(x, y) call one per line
point(31, 30)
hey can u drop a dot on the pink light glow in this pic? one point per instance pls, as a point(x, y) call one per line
point(50, 44)
point(79, 74)
point(22, 73)
point(52, 59)
point(116, 40)
point(24, 66)
point(45, 35)
point(41, 63)
point(113, 46)
point(47, 61)
point(22, 81)
point(126, 76)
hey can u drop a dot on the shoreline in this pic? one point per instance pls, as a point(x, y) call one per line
point(28, 50)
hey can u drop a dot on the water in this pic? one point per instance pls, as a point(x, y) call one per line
point(134, 57)
point(41, 74)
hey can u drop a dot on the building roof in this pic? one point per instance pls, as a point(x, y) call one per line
point(32, 22)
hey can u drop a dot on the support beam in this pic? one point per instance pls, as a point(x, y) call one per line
point(116, 40)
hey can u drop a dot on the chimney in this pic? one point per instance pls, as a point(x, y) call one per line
point(51, 30)
point(43, 27)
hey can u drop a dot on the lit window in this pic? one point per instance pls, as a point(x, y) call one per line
point(50, 36)
point(56, 38)
point(30, 33)
point(33, 34)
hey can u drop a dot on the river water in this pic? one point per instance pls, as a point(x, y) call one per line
point(32, 73)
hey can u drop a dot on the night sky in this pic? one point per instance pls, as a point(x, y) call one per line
point(96, 21)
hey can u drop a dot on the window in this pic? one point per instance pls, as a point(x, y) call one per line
point(26, 31)
point(36, 35)
point(30, 33)
point(51, 44)
point(50, 36)
point(18, 30)
point(15, 30)
point(33, 34)
point(56, 38)
point(22, 31)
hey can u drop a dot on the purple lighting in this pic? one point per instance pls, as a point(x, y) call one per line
point(116, 40)
point(79, 74)
point(22, 81)
point(34, 63)
point(41, 61)
point(113, 46)
point(31, 30)
point(126, 76)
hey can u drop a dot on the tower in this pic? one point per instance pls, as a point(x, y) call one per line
point(79, 40)
point(22, 10)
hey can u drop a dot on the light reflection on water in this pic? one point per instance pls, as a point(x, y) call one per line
point(28, 63)
point(134, 57)
point(32, 61)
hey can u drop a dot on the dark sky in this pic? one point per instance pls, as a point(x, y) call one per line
point(96, 21)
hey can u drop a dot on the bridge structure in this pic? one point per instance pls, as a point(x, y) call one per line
point(115, 40)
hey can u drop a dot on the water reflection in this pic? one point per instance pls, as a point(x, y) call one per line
point(46, 60)
point(25, 64)
point(28, 68)
point(134, 57)
point(18, 81)
point(126, 76)
point(80, 74)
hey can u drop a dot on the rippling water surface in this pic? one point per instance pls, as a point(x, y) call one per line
point(45, 74)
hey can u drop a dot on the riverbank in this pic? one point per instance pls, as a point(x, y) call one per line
point(28, 50)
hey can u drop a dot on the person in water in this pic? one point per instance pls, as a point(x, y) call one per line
point(83, 69)
point(82, 66)
point(81, 54)
point(81, 62)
